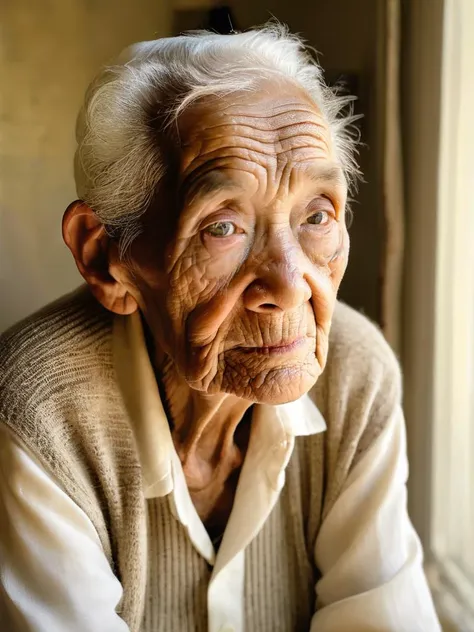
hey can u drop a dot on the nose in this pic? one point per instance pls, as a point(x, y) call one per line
point(281, 284)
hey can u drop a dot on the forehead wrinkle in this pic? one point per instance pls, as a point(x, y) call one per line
point(270, 118)
point(242, 131)
point(271, 108)
point(237, 127)
point(250, 115)
point(287, 172)
point(284, 170)
point(297, 136)
point(274, 148)
point(267, 169)
point(267, 137)
point(249, 122)
point(249, 148)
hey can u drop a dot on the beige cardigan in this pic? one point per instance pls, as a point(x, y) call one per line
point(59, 396)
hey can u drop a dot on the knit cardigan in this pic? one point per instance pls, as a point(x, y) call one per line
point(59, 396)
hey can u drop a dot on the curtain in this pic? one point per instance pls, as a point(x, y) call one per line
point(392, 174)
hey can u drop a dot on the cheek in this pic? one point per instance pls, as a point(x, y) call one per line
point(201, 272)
point(321, 245)
point(328, 252)
point(338, 263)
point(330, 263)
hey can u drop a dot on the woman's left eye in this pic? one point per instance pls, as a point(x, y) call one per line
point(319, 218)
point(221, 229)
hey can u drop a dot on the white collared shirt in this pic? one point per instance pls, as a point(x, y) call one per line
point(54, 574)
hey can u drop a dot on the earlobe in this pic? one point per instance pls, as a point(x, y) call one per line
point(87, 239)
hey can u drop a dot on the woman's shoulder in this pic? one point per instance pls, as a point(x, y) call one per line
point(361, 371)
point(358, 344)
point(358, 392)
point(44, 356)
point(53, 334)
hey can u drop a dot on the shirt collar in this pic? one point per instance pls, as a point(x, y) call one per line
point(149, 423)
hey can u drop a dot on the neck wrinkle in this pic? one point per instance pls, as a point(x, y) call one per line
point(202, 426)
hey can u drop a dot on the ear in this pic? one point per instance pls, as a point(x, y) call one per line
point(87, 239)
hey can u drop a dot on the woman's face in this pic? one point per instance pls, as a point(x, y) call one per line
point(237, 273)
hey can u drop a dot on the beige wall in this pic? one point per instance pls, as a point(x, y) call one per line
point(49, 52)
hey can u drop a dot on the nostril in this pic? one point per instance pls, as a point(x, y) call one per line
point(268, 307)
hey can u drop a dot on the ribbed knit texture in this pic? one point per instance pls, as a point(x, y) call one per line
point(279, 578)
point(59, 395)
point(177, 575)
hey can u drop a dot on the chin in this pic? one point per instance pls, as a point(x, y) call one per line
point(284, 390)
point(277, 386)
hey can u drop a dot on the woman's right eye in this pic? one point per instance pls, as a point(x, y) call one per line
point(319, 219)
point(220, 229)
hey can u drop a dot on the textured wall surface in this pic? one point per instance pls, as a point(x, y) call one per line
point(49, 52)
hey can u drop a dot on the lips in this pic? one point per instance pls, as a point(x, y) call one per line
point(280, 347)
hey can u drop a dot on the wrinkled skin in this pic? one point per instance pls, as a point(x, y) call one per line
point(236, 275)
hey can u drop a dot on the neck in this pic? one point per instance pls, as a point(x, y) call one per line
point(210, 432)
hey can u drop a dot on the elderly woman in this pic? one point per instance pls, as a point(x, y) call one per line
point(204, 438)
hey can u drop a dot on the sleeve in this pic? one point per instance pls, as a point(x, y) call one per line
point(367, 551)
point(54, 575)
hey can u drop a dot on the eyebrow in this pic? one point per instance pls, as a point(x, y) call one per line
point(207, 184)
point(333, 174)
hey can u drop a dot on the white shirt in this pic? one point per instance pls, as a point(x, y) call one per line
point(54, 575)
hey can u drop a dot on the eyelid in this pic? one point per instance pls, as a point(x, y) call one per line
point(329, 206)
point(323, 197)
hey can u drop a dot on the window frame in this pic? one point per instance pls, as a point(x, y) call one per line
point(452, 516)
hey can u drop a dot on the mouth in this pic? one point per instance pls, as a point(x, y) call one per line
point(278, 349)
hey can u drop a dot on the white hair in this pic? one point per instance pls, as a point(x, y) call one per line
point(123, 129)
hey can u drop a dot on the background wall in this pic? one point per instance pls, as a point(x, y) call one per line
point(49, 52)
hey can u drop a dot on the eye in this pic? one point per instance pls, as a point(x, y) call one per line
point(319, 218)
point(221, 229)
